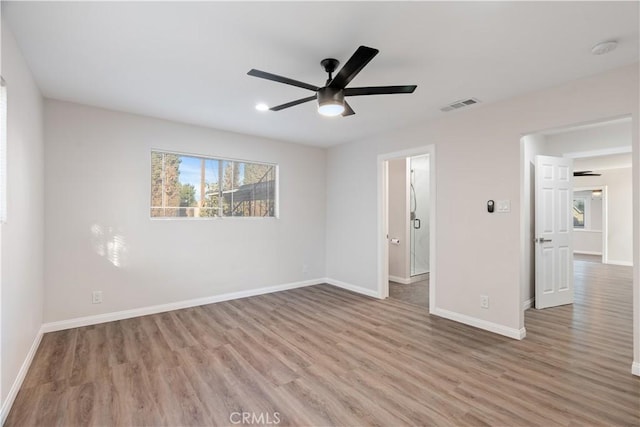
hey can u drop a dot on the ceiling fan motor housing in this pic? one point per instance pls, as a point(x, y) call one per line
point(328, 95)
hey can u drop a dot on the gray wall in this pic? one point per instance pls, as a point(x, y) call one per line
point(98, 193)
point(22, 235)
point(477, 159)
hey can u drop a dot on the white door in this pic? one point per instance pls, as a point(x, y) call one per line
point(554, 231)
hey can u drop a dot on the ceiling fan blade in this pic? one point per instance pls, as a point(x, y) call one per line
point(293, 103)
point(354, 65)
point(585, 173)
point(348, 111)
point(379, 90)
point(280, 79)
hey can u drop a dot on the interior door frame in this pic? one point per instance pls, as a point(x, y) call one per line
point(525, 224)
point(383, 218)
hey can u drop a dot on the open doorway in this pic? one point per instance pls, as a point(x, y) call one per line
point(590, 222)
point(408, 207)
point(601, 156)
point(600, 229)
point(407, 218)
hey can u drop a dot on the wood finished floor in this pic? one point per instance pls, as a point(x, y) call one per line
point(413, 293)
point(324, 356)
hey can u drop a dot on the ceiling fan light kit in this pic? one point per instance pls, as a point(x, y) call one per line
point(330, 97)
point(330, 101)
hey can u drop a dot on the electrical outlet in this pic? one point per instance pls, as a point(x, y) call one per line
point(305, 269)
point(97, 297)
point(484, 301)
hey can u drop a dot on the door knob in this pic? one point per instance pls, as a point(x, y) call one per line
point(543, 240)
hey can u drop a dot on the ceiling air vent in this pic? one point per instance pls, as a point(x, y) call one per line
point(460, 104)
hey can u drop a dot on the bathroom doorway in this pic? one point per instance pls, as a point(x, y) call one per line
point(408, 208)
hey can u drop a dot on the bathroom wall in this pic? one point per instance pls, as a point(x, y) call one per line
point(398, 221)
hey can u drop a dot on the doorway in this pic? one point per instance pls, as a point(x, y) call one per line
point(590, 223)
point(601, 228)
point(601, 154)
point(406, 188)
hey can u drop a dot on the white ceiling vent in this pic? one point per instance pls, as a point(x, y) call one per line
point(460, 104)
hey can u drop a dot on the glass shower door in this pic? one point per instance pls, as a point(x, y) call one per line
point(419, 214)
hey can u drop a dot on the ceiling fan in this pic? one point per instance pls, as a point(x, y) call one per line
point(585, 173)
point(331, 96)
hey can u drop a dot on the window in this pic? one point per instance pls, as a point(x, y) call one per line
point(587, 209)
point(579, 205)
point(3, 151)
point(203, 187)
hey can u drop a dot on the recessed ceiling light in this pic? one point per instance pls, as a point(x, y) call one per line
point(262, 106)
point(604, 47)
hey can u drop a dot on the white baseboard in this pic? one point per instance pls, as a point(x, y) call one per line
point(635, 368)
point(517, 334)
point(587, 253)
point(528, 303)
point(419, 277)
point(143, 311)
point(399, 280)
point(616, 262)
point(412, 279)
point(353, 288)
point(22, 373)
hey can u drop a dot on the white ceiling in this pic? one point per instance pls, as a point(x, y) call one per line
point(188, 61)
point(613, 161)
point(620, 123)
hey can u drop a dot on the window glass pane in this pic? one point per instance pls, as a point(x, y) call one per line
point(227, 186)
point(578, 213)
point(171, 184)
point(189, 180)
point(190, 186)
point(210, 205)
point(255, 195)
point(157, 209)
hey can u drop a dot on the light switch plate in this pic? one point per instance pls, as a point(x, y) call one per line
point(503, 206)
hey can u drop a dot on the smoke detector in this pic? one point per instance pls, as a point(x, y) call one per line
point(604, 47)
